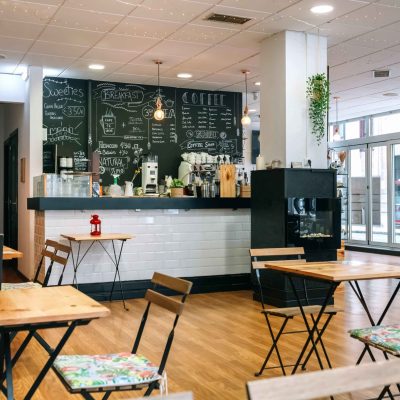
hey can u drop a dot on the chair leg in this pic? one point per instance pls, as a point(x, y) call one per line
point(151, 387)
point(274, 346)
point(106, 395)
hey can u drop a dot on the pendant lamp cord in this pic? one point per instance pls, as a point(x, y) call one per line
point(245, 80)
point(158, 78)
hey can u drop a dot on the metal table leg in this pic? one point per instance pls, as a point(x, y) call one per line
point(51, 360)
point(314, 328)
point(6, 355)
point(116, 259)
point(76, 262)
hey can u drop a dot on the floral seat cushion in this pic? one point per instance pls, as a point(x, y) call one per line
point(385, 338)
point(23, 285)
point(106, 370)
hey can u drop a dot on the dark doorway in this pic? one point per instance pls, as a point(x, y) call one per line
point(11, 190)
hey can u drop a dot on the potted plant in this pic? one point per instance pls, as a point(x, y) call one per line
point(177, 188)
point(318, 95)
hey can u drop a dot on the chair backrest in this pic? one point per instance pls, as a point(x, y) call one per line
point(57, 253)
point(1, 258)
point(175, 306)
point(322, 384)
point(281, 252)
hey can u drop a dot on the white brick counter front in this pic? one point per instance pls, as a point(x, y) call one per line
point(185, 243)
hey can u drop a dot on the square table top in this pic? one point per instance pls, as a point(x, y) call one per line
point(338, 271)
point(9, 253)
point(81, 237)
point(50, 304)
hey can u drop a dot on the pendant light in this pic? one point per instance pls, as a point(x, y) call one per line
point(336, 135)
point(246, 119)
point(159, 113)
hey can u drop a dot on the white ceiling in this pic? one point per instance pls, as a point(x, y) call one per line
point(65, 36)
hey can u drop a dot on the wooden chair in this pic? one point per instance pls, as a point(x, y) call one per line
point(107, 373)
point(286, 313)
point(321, 384)
point(56, 253)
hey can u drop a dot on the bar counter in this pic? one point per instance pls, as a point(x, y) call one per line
point(203, 239)
point(129, 203)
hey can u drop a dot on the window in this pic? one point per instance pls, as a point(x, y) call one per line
point(384, 124)
point(355, 129)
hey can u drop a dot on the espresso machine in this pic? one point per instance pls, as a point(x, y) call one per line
point(150, 174)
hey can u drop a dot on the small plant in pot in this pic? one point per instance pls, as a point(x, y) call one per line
point(177, 187)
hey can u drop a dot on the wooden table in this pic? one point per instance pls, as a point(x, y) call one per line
point(333, 273)
point(9, 253)
point(41, 308)
point(115, 256)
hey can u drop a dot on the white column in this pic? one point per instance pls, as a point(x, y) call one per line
point(287, 60)
point(30, 147)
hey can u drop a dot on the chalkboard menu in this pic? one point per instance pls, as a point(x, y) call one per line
point(65, 118)
point(119, 124)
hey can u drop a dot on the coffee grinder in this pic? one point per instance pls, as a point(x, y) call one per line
point(150, 174)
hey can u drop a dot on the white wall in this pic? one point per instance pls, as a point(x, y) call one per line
point(12, 88)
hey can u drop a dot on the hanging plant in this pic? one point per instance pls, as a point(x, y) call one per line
point(318, 95)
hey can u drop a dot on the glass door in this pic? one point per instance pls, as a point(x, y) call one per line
point(396, 192)
point(358, 194)
point(378, 194)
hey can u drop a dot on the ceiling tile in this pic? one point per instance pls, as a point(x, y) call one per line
point(301, 10)
point(56, 49)
point(11, 56)
point(47, 60)
point(110, 55)
point(26, 11)
point(168, 60)
point(45, 2)
point(228, 79)
point(338, 33)
point(127, 78)
point(197, 74)
point(280, 22)
point(183, 49)
point(378, 60)
point(14, 44)
point(104, 6)
point(246, 39)
point(71, 36)
point(199, 34)
point(374, 15)
point(86, 20)
point(146, 28)
point(269, 6)
point(378, 39)
point(217, 58)
point(139, 69)
point(251, 64)
point(81, 67)
point(129, 43)
point(170, 10)
point(343, 52)
point(21, 30)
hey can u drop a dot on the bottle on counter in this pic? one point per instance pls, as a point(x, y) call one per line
point(100, 187)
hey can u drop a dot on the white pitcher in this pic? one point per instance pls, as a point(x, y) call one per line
point(128, 188)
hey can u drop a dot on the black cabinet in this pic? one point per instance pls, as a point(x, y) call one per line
point(295, 208)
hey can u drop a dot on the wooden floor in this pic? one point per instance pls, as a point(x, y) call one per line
point(220, 342)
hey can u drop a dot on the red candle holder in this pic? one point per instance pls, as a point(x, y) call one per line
point(95, 225)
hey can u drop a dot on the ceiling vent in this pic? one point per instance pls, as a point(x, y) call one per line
point(381, 73)
point(230, 19)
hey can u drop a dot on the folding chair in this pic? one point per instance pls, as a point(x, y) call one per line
point(287, 313)
point(51, 251)
point(107, 373)
point(321, 384)
point(382, 337)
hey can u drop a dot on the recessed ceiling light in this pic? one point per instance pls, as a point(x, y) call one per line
point(257, 83)
point(252, 110)
point(390, 94)
point(322, 9)
point(184, 75)
point(96, 66)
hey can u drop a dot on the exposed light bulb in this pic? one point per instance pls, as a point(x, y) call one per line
point(336, 137)
point(159, 113)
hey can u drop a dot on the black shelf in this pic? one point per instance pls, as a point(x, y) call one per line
point(132, 203)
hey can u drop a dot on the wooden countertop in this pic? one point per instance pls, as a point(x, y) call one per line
point(9, 253)
point(78, 237)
